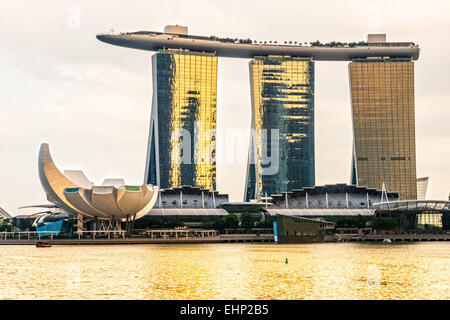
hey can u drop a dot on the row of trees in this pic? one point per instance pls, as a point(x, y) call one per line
point(5, 224)
point(337, 44)
point(332, 44)
point(165, 223)
point(368, 222)
point(231, 40)
point(231, 221)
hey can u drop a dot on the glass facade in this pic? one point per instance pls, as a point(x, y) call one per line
point(431, 219)
point(384, 150)
point(182, 144)
point(281, 155)
point(422, 187)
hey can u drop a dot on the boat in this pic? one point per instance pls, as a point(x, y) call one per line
point(41, 244)
point(387, 240)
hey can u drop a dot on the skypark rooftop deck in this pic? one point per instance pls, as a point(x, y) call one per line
point(246, 48)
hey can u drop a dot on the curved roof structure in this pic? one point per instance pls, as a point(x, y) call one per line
point(154, 41)
point(4, 214)
point(114, 182)
point(321, 212)
point(414, 205)
point(173, 212)
point(116, 201)
point(78, 177)
point(48, 206)
point(340, 188)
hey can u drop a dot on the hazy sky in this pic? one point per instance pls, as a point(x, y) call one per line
point(91, 101)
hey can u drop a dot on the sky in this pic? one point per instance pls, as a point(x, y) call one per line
point(92, 101)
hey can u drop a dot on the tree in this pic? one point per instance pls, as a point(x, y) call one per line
point(5, 225)
point(247, 221)
point(220, 224)
point(173, 223)
point(385, 224)
point(361, 221)
point(354, 222)
point(208, 225)
point(231, 221)
point(267, 223)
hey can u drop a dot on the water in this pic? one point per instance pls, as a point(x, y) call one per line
point(227, 271)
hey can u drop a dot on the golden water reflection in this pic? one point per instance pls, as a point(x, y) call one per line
point(227, 271)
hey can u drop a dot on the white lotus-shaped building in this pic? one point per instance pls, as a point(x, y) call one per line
point(73, 192)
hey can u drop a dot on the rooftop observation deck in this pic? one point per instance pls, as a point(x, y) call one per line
point(238, 48)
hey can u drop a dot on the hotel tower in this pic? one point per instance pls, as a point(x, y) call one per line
point(281, 154)
point(384, 150)
point(182, 144)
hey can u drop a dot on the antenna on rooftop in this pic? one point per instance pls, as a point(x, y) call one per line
point(266, 200)
point(384, 193)
point(213, 196)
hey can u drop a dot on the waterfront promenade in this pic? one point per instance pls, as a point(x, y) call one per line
point(120, 237)
point(397, 237)
point(188, 236)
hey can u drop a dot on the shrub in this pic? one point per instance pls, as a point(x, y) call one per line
point(247, 221)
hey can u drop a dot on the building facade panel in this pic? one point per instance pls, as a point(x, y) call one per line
point(384, 151)
point(182, 142)
point(281, 155)
point(422, 188)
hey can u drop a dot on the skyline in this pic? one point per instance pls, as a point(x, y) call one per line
point(76, 87)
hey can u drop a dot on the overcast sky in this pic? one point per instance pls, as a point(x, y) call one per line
point(91, 101)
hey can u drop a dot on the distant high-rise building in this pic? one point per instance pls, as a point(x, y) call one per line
point(281, 155)
point(384, 150)
point(182, 144)
point(422, 188)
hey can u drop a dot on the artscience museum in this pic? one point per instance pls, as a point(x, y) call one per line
point(111, 203)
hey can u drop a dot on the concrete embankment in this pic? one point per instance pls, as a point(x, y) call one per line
point(397, 237)
point(223, 239)
point(218, 239)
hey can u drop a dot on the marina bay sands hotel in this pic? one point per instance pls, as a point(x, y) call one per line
point(182, 141)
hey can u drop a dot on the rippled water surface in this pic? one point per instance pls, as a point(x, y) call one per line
point(227, 271)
